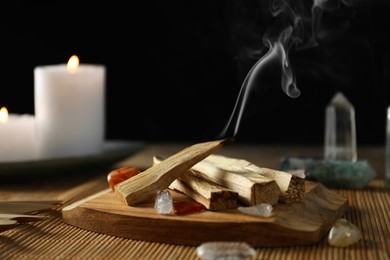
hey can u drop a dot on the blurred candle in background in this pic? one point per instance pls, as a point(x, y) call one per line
point(69, 109)
point(17, 137)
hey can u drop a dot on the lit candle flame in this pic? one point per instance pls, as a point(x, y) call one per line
point(3, 115)
point(73, 64)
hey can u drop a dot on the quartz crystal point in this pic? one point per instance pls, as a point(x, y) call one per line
point(340, 129)
point(262, 210)
point(344, 233)
point(225, 251)
point(163, 203)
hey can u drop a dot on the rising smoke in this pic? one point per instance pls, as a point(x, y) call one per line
point(281, 26)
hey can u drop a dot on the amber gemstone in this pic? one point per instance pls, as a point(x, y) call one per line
point(119, 175)
point(187, 207)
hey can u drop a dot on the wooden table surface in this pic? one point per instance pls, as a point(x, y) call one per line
point(369, 209)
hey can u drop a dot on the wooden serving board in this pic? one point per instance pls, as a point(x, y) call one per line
point(303, 223)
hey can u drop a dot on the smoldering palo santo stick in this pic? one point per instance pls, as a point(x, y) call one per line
point(146, 184)
point(252, 188)
point(292, 187)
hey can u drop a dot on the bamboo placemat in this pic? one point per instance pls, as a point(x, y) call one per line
point(369, 209)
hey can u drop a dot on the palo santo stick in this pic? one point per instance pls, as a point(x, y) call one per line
point(146, 184)
point(252, 188)
point(292, 187)
point(6, 224)
point(23, 207)
point(22, 217)
point(212, 196)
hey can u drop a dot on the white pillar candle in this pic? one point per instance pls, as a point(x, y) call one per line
point(69, 109)
point(17, 137)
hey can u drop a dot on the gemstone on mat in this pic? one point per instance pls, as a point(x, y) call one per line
point(340, 129)
point(344, 233)
point(225, 250)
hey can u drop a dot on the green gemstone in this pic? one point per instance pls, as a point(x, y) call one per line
point(333, 173)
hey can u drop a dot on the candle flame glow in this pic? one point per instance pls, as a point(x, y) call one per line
point(3, 115)
point(73, 64)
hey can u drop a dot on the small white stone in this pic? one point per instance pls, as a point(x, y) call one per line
point(163, 203)
point(262, 210)
point(225, 251)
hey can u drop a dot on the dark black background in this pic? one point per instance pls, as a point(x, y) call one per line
point(175, 68)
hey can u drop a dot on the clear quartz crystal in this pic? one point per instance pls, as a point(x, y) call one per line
point(262, 210)
point(387, 161)
point(225, 251)
point(163, 203)
point(340, 129)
